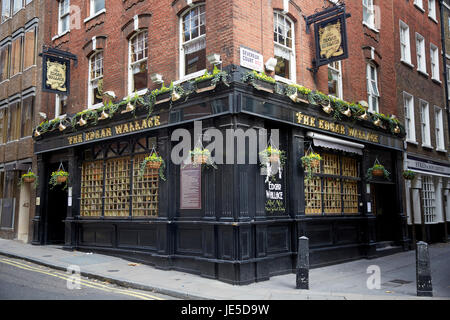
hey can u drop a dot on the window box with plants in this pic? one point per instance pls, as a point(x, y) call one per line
point(59, 177)
point(298, 93)
point(153, 162)
point(205, 82)
point(260, 81)
point(310, 162)
point(162, 95)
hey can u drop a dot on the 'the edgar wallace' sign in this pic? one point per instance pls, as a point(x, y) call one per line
point(331, 40)
point(55, 75)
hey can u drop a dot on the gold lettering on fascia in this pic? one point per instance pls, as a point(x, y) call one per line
point(118, 130)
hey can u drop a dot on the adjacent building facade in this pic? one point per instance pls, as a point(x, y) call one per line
point(21, 35)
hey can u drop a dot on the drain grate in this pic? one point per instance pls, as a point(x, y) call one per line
point(113, 270)
point(47, 256)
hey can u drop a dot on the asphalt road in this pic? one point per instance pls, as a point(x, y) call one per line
point(22, 280)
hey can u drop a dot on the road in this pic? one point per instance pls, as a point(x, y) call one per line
point(21, 280)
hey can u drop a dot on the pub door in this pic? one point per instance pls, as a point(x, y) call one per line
point(384, 209)
point(56, 211)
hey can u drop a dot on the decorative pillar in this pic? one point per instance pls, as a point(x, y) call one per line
point(73, 200)
point(38, 223)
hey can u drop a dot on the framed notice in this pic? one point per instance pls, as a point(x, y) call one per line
point(190, 187)
point(55, 74)
point(331, 40)
point(251, 59)
point(275, 195)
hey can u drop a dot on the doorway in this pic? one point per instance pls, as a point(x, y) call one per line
point(385, 211)
point(56, 210)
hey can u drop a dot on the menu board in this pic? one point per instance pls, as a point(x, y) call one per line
point(190, 187)
point(275, 196)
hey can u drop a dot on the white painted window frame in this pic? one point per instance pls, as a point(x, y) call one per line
point(429, 199)
point(370, 92)
point(439, 129)
point(292, 58)
point(61, 17)
point(131, 64)
point(90, 80)
point(339, 73)
point(405, 42)
point(408, 106)
point(424, 112)
point(434, 62)
point(421, 55)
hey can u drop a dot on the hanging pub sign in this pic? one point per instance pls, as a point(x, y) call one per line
point(331, 40)
point(55, 74)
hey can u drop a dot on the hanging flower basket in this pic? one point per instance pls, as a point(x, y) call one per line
point(59, 177)
point(310, 161)
point(409, 174)
point(201, 156)
point(273, 161)
point(29, 177)
point(153, 162)
point(377, 170)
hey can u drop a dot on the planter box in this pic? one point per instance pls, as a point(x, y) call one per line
point(204, 85)
point(263, 85)
point(163, 97)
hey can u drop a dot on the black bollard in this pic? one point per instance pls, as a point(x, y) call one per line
point(303, 263)
point(423, 270)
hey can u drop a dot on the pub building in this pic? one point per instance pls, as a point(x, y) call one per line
point(222, 222)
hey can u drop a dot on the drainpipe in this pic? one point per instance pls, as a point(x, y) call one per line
point(444, 59)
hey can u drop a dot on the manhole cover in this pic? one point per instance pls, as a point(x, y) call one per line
point(113, 270)
point(399, 281)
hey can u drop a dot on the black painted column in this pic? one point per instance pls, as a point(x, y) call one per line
point(73, 201)
point(369, 224)
point(402, 218)
point(38, 221)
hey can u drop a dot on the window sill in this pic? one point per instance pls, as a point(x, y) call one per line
point(423, 73)
point(190, 76)
point(6, 20)
point(30, 67)
point(95, 106)
point(95, 15)
point(437, 81)
point(284, 80)
point(412, 142)
point(427, 146)
point(433, 19)
point(60, 35)
point(408, 64)
point(371, 27)
point(441, 150)
point(14, 13)
point(419, 8)
point(7, 80)
point(15, 75)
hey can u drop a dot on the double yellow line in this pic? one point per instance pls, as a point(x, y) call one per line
point(83, 282)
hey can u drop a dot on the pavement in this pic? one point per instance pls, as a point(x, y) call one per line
point(345, 281)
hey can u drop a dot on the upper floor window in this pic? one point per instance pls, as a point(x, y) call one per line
point(16, 55)
point(432, 9)
point(3, 125)
point(60, 105)
point(95, 89)
point(6, 10)
point(30, 47)
point(405, 49)
point(335, 79)
point(408, 103)
point(373, 93)
point(425, 123)
point(439, 127)
point(27, 116)
point(421, 60)
point(284, 46)
point(64, 16)
point(17, 5)
point(368, 13)
point(137, 74)
point(96, 6)
point(4, 61)
point(14, 121)
point(434, 58)
point(193, 41)
point(419, 3)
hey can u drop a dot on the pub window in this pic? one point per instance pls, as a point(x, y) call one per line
point(4, 61)
point(193, 41)
point(333, 189)
point(30, 48)
point(6, 10)
point(284, 46)
point(137, 74)
point(95, 80)
point(14, 121)
point(91, 189)
point(117, 187)
point(16, 55)
point(335, 79)
point(145, 190)
point(64, 16)
point(27, 116)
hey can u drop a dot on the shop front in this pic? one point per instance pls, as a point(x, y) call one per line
point(227, 221)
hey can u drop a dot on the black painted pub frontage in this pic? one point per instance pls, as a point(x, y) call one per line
point(237, 233)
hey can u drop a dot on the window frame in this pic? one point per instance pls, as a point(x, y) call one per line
point(369, 8)
point(405, 28)
point(23, 114)
point(9, 9)
point(131, 64)
point(432, 13)
point(91, 86)
point(434, 58)
point(439, 129)
point(33, 28)
point(13, 6)
point(292, 56)
point(20, 37)
point(60, 18)
point(92, 12)
point(421, 59)
point(429, 203)
point(200, 38)
point(370, 92)
point(425, 126)
point(419, 4)
point(409, 127)
point(340, 94)
point(6, 44)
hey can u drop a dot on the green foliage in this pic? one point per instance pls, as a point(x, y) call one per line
point(29, 174)
point(409, 174)
point(153, 158)
point(252, 75)
point(54, 178)
point(377, 166)
point(307, 162)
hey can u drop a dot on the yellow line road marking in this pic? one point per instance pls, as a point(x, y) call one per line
point(84, 282)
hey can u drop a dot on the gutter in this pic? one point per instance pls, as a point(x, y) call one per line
point(444, 59)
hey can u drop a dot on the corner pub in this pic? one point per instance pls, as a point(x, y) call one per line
point(232, 234)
